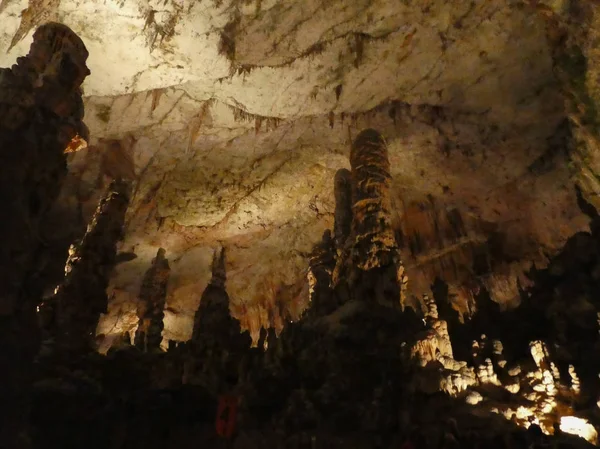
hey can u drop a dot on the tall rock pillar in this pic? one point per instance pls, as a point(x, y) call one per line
point(153, 294)
point(82, 297)
point(41, 112)
point(218, 346)
point(374, 243)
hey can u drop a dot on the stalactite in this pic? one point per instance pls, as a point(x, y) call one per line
point(374, 241)
point(38, 120)
point(81, 298)
point(153, 293)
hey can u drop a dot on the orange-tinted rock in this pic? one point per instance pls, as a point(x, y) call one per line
point(374, 243)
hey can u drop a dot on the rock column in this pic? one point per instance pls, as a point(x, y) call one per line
point(153, 293)
point(82, 296)
point(343, 208)
point(320, 267)
point(41, 112)
point(374, 243)
point(218, 346)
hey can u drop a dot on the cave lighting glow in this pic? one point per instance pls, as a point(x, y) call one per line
point(580, 427)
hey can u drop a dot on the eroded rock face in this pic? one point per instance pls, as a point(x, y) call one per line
point(41, 111)
point(572, 30)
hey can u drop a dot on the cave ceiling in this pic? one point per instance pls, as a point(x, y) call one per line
point(233, 116)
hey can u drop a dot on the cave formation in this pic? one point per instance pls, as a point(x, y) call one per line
point(343, 225)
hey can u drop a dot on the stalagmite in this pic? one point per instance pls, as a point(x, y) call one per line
point(537, 352)
point(81, 298)
point(218, 344)
point(435, 346)
point(343, 208)
point(575, 383)
point(153, 293)
point(214, 304)
point(41, 111)
point(320, 267)
point(342, 222)
point(374, 243)
point(499, 353)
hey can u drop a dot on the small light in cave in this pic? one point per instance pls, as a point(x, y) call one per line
point(77, 143)
point(37, 309)
point(580, 427)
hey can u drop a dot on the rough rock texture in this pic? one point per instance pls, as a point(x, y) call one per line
point(148, 335)
point(82, 298)
point(572, 30)
point(40, 113)
point(373, 240)
point(233, 117)
point(358, 373)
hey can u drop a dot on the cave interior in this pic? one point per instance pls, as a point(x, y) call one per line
point(299, 224)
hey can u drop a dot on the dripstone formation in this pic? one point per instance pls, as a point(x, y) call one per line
point(374, 244)
point(153, 294)
point(217, 345)
point(82, 297)
point(41, 112)
point(368, 261)
point(343, 208)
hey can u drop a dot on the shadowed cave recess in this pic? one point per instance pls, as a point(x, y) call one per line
point(280, 224)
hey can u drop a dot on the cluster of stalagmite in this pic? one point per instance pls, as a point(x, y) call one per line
point(364, 239)
point(153, 294)
point(433, 346)
point(41, 112)
point(82, 297)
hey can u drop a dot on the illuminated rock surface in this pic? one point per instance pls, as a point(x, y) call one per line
point(234, 116)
